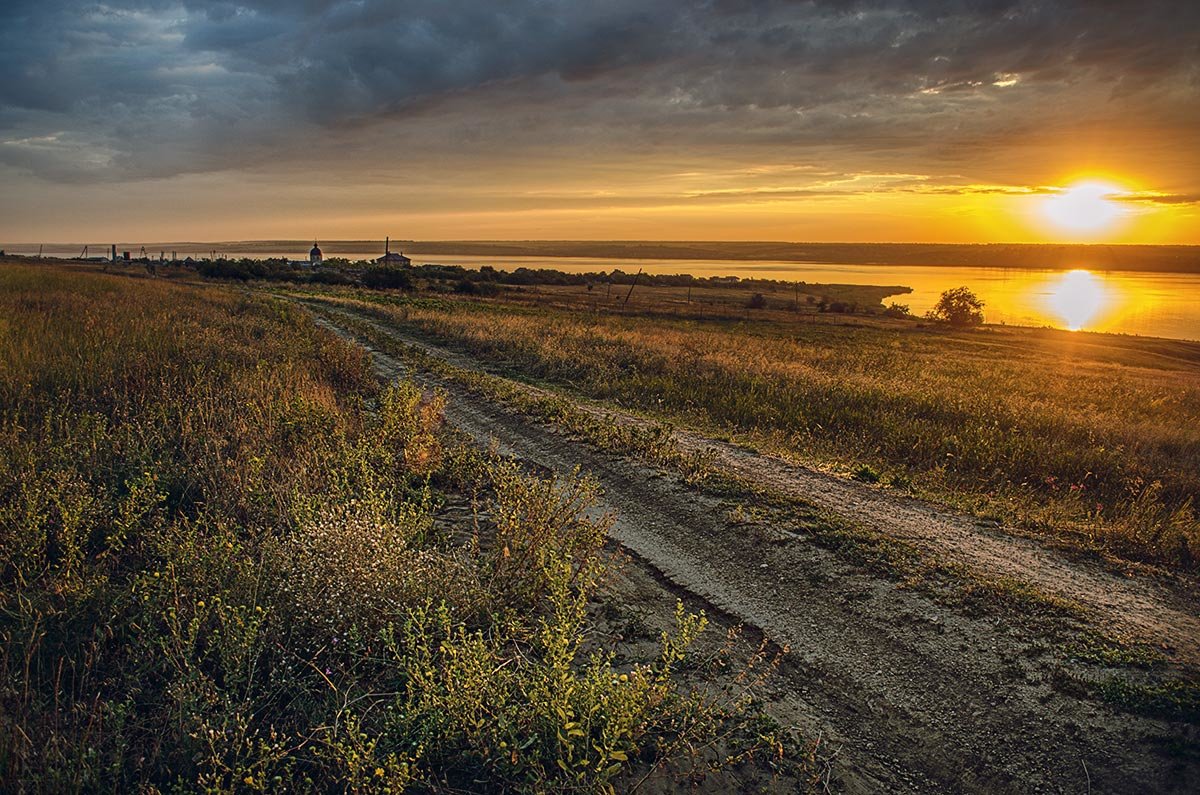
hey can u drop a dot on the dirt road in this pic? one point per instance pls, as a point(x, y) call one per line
point(916, 696)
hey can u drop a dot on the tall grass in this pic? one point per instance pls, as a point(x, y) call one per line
point(1092, 439)
point(220, 569)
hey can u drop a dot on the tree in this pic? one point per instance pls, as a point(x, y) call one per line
point(959, 307)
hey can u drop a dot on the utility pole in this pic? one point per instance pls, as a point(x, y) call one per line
point(635, 278)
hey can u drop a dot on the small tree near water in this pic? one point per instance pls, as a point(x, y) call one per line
point(959, 307)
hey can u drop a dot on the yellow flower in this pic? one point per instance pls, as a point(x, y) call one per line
point(379, 772)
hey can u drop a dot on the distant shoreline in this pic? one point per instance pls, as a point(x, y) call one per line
point(1039, 256)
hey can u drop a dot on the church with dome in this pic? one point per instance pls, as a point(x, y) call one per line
point(314, 256)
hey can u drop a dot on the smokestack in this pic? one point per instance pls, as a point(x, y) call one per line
point(114, 252)
point(387, 246)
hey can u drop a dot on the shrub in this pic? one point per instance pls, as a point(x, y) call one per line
point(866, 474)
point(757, 301)
point(959, 307)
point(386, 277)
point(838, 307)
point(330, 276)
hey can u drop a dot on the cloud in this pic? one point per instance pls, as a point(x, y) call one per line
point(1157, 198)
point(154, 88)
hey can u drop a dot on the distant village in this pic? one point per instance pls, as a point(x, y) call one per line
point(315, 257)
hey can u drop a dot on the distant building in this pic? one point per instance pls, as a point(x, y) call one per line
point(391, 257)
point(314, 256)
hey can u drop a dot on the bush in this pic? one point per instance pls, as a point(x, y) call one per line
point(757, 301)
point(866, 474)
point(330, 276)
point(386, 277)
point(959, 307)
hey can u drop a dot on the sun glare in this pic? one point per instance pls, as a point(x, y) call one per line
point(1085, 207)
point(1077, 298)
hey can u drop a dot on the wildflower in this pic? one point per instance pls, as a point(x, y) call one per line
point(379, 772)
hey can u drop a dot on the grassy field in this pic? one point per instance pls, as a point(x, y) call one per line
point(1088, 440)
point(746, 301)
point(225, 566)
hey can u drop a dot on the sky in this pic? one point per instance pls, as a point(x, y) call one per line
point(624, 119)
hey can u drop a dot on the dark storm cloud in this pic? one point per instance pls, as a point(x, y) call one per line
point(147, 88)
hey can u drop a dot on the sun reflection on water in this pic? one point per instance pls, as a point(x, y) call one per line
point(1077, 298)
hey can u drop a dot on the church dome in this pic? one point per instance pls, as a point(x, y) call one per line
point(316, 251)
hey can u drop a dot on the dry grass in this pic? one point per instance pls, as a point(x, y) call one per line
point(1088, 438)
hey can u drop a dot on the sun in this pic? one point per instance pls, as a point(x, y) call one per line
point(1077, 297)
point(1084, 208)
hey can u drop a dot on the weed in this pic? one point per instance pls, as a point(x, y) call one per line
point(866, 474)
